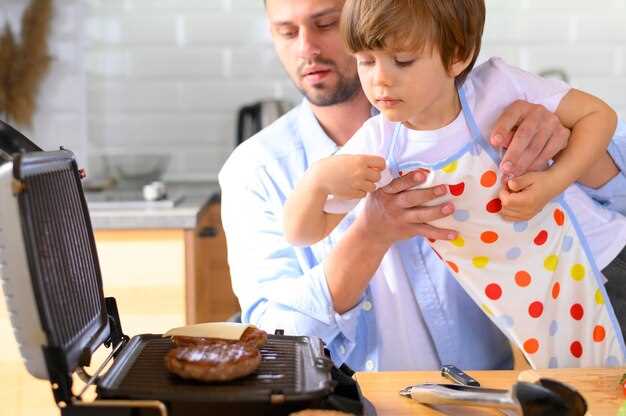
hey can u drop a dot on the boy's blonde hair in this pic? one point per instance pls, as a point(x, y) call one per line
point(452, 27)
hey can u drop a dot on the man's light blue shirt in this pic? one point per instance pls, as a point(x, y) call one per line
point(281, 286)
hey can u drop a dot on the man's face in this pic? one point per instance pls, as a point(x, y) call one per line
point(307, 39)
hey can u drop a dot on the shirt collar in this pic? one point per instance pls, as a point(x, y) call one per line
point(317, 144)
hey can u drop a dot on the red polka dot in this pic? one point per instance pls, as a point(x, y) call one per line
point(599, 333)
point(559, 216)
point(494, 206)
point(576, 349)
point(577, 311)
point(531, 345)
point(488, 179)
point(493, 291)
point(489, 237)
point(453, 266)
point(431, 240)
point(535, 309)
point(556, 289)
point(400, 173)
point(541, 237)
point(457, 189)
point(522, 278)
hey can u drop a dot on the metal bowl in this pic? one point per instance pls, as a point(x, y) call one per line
point(136, 170)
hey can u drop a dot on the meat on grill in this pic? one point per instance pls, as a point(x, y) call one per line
point(216, 361)
point(252, 336)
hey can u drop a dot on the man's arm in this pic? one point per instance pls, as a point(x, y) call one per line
point(532, 136)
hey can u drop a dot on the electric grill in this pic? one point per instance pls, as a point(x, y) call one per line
point(53, 289)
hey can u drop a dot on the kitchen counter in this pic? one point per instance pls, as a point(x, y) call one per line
point(600, 387)
point(125, 209)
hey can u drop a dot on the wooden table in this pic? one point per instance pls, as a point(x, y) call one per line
point(599, 386)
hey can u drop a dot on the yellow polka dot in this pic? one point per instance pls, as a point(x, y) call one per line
point(487, 310)
point(578, 272)
point(599, 297)
point(450, 168)
point(480, 261)
point(458, 241)
point(551, 262)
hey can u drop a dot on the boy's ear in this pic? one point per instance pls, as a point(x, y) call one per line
point(459, 64)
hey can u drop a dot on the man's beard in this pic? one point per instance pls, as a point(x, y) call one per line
point(322, 95)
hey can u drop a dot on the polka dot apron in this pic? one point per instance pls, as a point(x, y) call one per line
point(536, 280)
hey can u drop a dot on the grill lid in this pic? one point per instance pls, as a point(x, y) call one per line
point(62, 261)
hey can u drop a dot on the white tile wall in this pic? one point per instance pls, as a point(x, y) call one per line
point(169, 75)
point(61, 117)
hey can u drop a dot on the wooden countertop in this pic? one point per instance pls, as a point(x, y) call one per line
point(599, 387)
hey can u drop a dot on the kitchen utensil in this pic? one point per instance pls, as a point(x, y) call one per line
point(458, 376)
point(137, 170)
point(54, 294)
point(253, 117)
point(12, 142)
point(546, 398)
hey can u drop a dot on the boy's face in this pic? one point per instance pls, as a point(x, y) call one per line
point(409, 87)
point(308, 42)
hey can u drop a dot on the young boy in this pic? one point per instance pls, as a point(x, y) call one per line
point(530, 253)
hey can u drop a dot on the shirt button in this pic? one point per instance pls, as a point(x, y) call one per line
point(369, 365)
point(367, 306)
point(342, 350)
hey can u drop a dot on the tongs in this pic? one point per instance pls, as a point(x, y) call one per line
point(547, 397)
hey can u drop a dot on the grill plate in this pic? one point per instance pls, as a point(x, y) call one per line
point(290, 366)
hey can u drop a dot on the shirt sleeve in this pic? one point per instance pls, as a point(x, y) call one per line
point(366, 141)
point(278, 286)
point(531, 87)
point(613, 194)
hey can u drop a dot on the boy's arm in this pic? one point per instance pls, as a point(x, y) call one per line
point(344, 176)
point(585, 158)
point(304, 218)
point(592, 123)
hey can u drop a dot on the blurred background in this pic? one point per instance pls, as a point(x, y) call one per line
point(169, 76)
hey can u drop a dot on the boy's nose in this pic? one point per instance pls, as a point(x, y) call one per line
point(381, 76)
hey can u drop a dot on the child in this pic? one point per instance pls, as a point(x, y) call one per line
point(528, 254)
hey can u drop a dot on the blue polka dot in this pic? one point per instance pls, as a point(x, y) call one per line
point(567, 243)
point(520, 226)
point(461, 215)
point(513, 253)
point(505, 321)
point(554, 327)
point(612, 361)
point(553, 363)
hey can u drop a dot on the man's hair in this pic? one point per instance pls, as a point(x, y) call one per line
point(453, 27)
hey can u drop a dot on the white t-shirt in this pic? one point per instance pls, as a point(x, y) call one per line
point(489, 88)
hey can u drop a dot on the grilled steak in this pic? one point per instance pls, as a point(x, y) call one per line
point(252, 336)
point(215, 361)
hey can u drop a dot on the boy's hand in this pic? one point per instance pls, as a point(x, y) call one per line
point(349, 176)
point(523, 197)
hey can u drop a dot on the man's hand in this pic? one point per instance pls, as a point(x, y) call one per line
point(531, 135)
point(396, 212)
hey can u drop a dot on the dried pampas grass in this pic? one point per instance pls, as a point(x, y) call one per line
point(23, 66)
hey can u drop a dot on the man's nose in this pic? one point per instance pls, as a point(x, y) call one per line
point(307, 45)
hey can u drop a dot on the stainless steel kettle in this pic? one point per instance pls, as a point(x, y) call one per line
point(255, 116)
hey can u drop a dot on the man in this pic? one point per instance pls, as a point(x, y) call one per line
point(414, 317)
